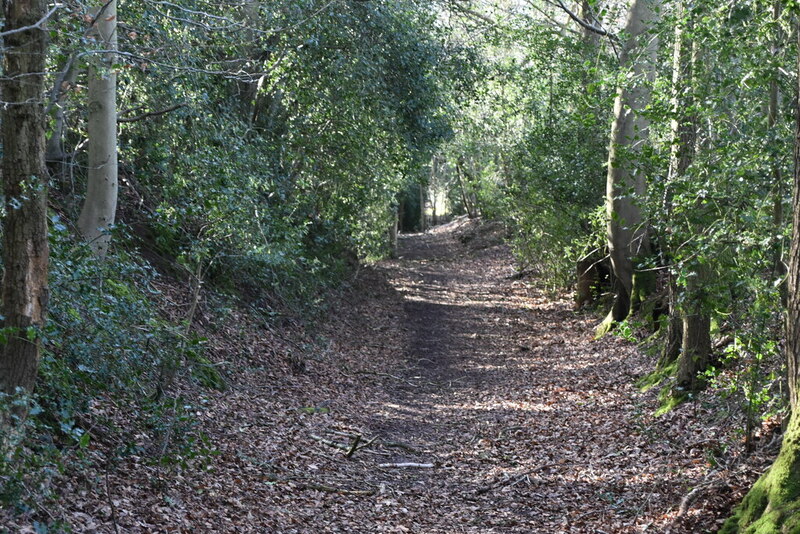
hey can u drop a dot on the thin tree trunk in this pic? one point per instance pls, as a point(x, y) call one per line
point(464, 197)
point(590, 38)
point(25, 246)
point(696, 344)
point(393, 227)
point(777, 178)
point(625, 184)
point(100, 206)
point(696, 341)
point(54, 154)
point(681, 153)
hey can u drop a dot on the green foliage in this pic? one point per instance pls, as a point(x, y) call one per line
point(261, 147)
point(104, 342)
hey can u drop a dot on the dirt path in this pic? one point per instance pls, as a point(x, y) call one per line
point(532, 425)
point(440, 358)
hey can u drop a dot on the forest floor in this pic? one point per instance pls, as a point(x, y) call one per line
point(440, 395)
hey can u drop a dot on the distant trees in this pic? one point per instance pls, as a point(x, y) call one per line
point(264, 138)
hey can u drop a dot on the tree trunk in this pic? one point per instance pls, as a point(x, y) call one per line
point(590, 38)
point(772, 504)
point(100, 206)
point(54, 153)
point(674, 338)
point(690, 311)
point(393, 228)
point(773, 108)
point(625, 184)
point(25, 246)
point(460, 171)
point(696, 341)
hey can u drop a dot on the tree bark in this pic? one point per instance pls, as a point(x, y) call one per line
point(682, 133)
point(25, 246)
point(625, 183)
point(772, 504)
point(696, 341)
point(100, 206)
point(393, 229)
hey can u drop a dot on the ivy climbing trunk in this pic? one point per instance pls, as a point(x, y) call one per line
point(772, 503)
point(689, 314)
point(625, 182)
point(25, 247)
point(100, 206)
point(683, 130)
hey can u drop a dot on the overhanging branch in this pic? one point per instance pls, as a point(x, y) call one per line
point(149, 113)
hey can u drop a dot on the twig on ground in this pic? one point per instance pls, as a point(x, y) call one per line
point(514, 480)
point(408, 464)
point(693, 495)
point(353, 447)
point(329, 442)
point(111, 504)
point(368, 443)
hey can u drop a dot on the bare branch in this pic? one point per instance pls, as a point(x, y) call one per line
point(583, 23)
point(149, 113)
point(37, 26)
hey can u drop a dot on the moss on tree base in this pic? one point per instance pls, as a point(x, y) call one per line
point(772, 506)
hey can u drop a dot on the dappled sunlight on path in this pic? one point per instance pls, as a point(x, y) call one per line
point(532, 425)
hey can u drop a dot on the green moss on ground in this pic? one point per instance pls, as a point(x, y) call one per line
point(606, 326)
point(668, 400)
point(651, 380)
point(772, 506)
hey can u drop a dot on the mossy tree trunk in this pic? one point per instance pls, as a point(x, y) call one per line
point(696, 336)
point(625, 183)
point(773, 504)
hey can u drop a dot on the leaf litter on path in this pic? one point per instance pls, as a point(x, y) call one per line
point(439, 395)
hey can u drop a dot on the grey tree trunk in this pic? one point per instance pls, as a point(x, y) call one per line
point(625, 183)
point(25, 246)
point(696, 322)
point(100, 206)
point(393, 228)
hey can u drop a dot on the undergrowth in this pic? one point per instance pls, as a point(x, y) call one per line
point(111, 356)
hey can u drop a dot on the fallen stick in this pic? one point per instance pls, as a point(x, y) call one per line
point(353, 447)
point(329, 442)
point(367, 444)
point(409, 464)
point(513, 480)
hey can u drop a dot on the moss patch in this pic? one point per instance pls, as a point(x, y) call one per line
point(772, 506)
point(651, 380)
point(606, 326)
point(668, 400)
